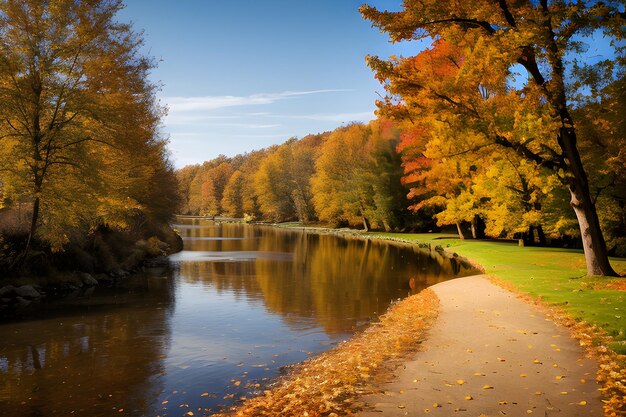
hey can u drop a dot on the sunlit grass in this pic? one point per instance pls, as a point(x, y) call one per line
point(556, 276)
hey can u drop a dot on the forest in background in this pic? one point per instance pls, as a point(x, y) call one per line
point(381, 176)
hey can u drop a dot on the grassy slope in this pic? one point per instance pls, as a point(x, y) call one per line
point(557, 276)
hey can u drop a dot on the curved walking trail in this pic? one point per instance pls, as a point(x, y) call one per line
point(489, 353)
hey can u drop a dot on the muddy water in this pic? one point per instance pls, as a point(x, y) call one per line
point(239, 303)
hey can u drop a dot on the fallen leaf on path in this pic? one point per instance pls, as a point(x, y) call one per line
point(460, 381)
point(487, 387)
point(582, 403)
point(469, 397)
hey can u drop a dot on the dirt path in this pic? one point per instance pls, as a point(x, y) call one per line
point(491, 354)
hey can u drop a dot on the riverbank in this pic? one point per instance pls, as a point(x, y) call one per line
point(490, 353)
point(331, 383)
point(591, 307)
point(108, 260)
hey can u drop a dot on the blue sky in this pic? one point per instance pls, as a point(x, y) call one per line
point(246, 74)
point(242, 75)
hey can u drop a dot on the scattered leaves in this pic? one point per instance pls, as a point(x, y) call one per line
point(330, 382)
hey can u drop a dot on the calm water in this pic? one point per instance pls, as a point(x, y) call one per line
point(239, 303)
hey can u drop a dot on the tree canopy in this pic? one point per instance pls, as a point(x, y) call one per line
point(464, 83)
point(79, 124)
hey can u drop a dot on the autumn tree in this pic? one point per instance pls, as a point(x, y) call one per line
point(341, 188)
point(214, 182)
point(207, 186)
point(75, 108)
point(282, 181)
point(602, 129)
point(357, 179)
point(232, 201)
point(185, 176)
point(491, 39)
point(439, 177)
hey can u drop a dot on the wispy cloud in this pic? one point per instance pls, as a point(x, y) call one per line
point(206, 103)
point(330, 117)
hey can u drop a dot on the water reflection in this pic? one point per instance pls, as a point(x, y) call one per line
point(241, 302)
point(87, 363)
point(337, 283)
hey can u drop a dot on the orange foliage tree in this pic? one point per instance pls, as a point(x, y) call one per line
point(479, 45)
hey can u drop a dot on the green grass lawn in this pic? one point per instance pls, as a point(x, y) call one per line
point(557, 276)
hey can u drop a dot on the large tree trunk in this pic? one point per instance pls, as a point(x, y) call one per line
point(366, 223)
point(594, 246)
point(541, 236)
point(478, 228)
point(33, 229)
point(458, 229)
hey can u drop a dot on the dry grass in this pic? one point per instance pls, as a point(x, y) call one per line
point(330, 384)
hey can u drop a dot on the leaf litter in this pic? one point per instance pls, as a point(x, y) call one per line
point(329, 384)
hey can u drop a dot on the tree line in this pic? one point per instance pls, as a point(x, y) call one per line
point(80, 150)
point(500, 125)
point(349, 176)
point(379, 176)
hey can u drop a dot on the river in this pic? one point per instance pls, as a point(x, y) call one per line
point(239, 304)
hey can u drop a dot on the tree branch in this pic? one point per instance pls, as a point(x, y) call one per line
point(464, 21)
point(507, 13)
point(474, 149)
point(522, 150)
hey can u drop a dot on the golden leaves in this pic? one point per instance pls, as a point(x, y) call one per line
point(328, 384)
